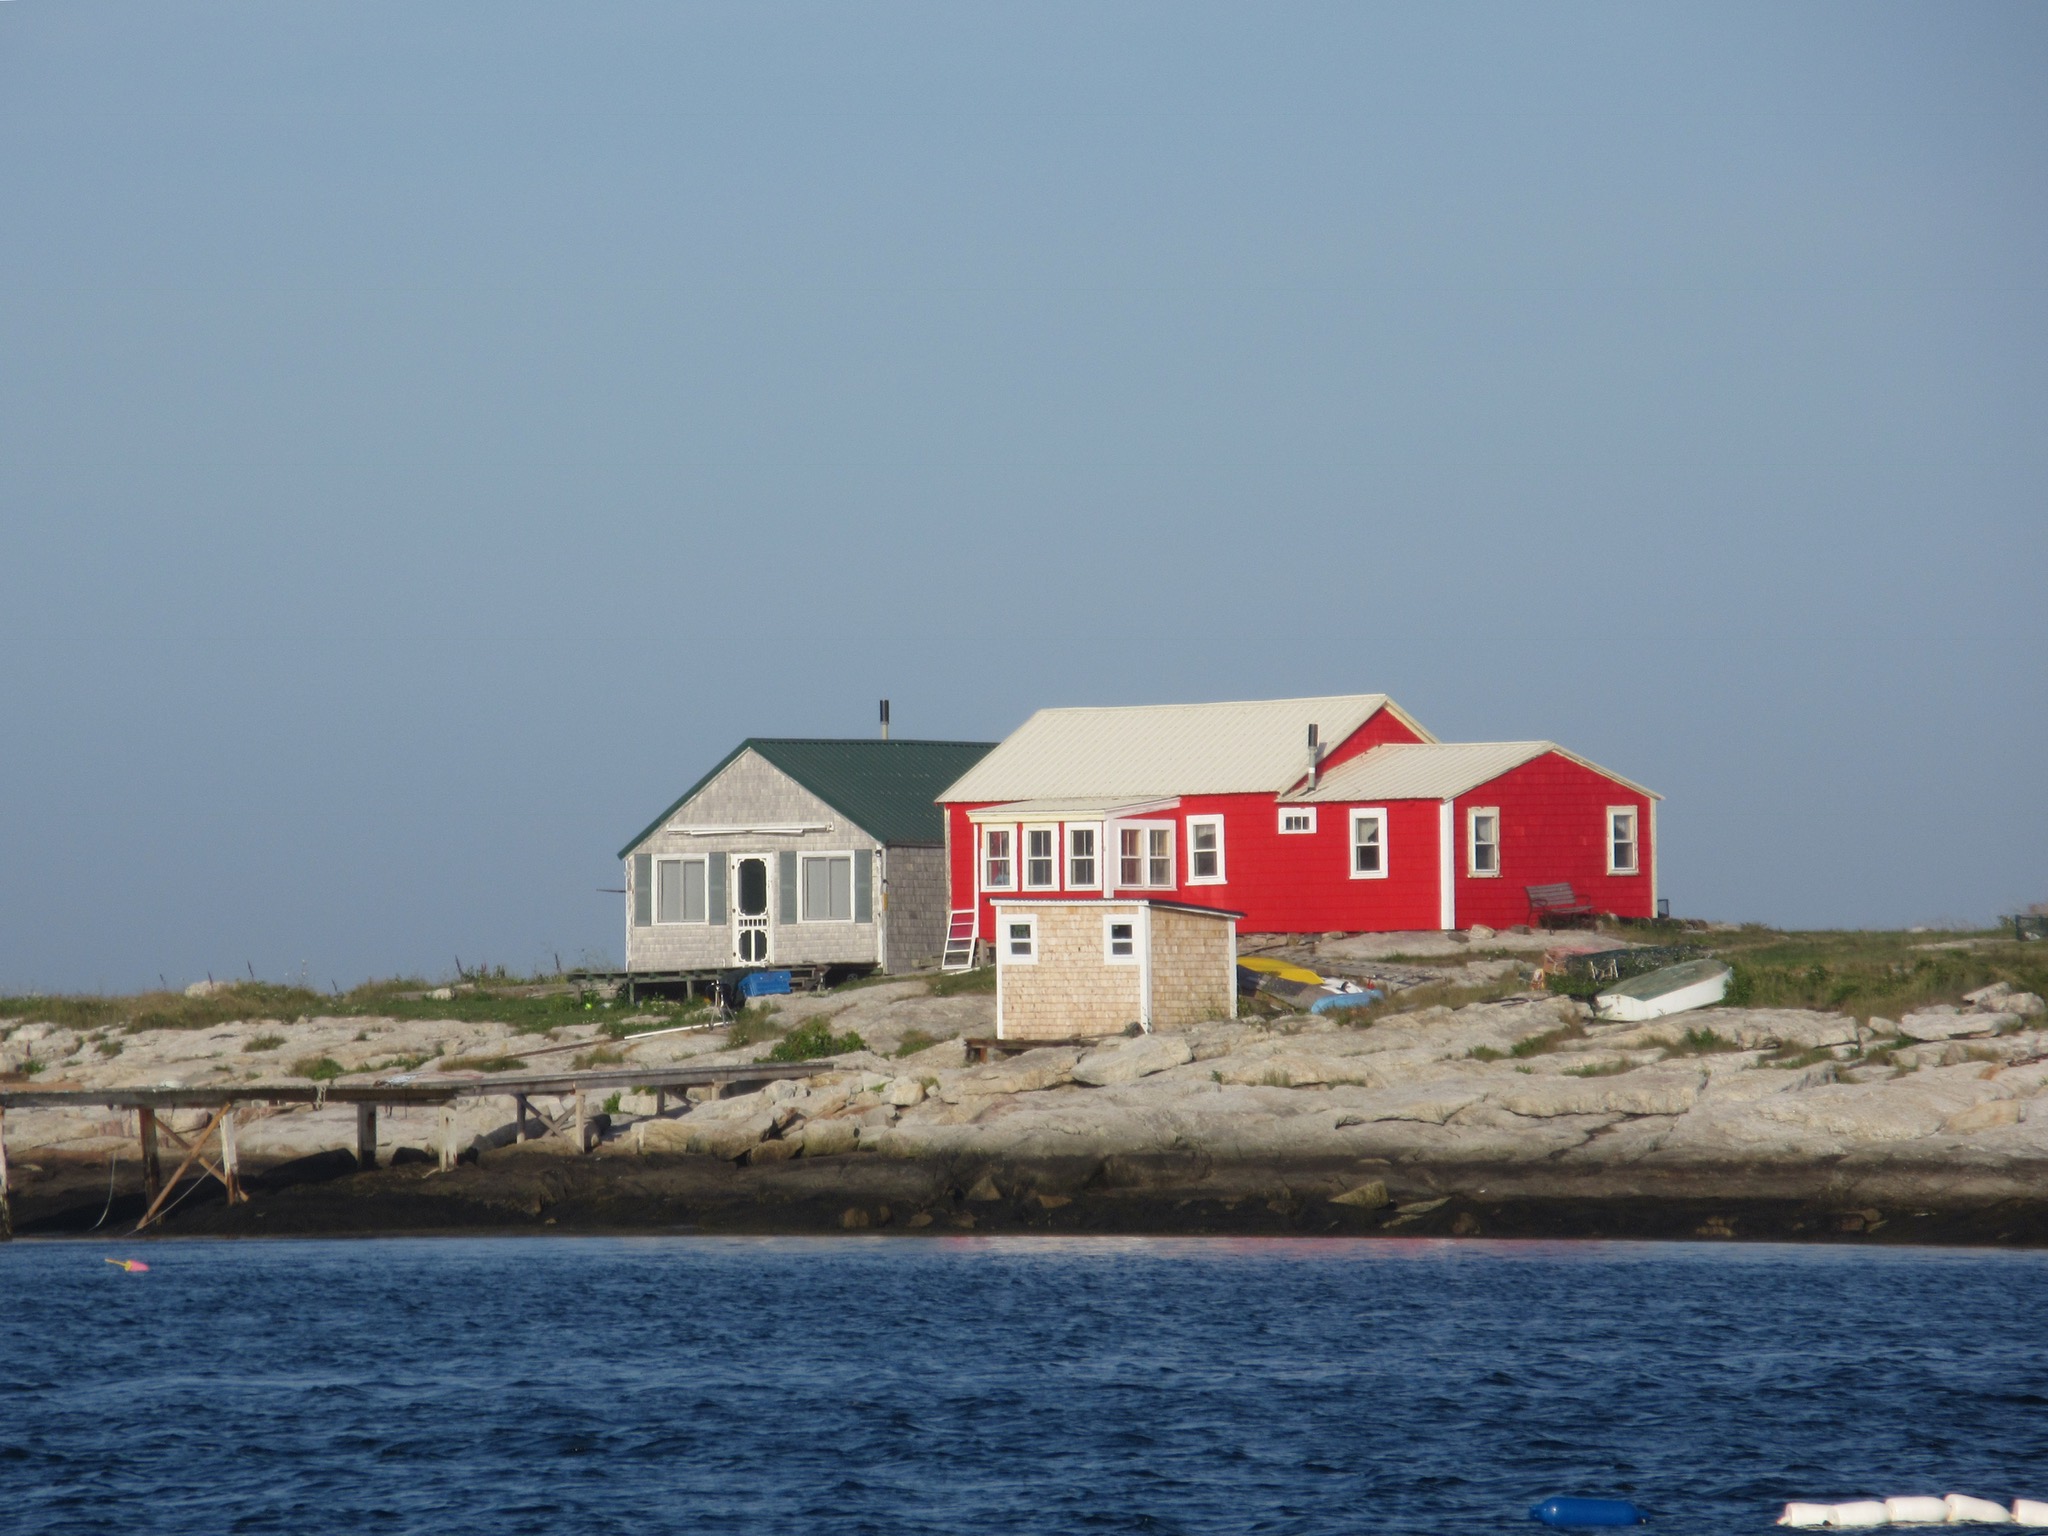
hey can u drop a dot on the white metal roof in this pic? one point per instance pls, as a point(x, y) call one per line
point(1160, 750)
point(1071, 808)
point(1436, 770)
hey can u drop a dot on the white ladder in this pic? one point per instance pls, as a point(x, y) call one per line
point(959, 955)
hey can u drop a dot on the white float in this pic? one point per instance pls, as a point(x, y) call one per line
point(1807, 1516)
point(1964, 1510)
point(2029, 1512)
point(1857, 1515)
point(1917, 1511)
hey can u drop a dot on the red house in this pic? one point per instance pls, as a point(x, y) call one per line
point(1304, 815)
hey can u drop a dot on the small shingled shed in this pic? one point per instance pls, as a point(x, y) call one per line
point(1094, 967)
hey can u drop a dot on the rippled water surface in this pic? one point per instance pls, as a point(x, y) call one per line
point(1018, 1385)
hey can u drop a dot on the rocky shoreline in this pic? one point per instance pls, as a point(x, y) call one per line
point(1519, 1117)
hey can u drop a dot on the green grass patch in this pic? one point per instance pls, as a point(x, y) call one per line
point(319, 1068)
point(1433, 994)
point(483, 1064)
point(961, 983)
point(108, 1047)
point(1702, 1042)
point(752, 1025)
point(812, 1040)
point(264, 1043)
point(1549, 1040)
point(603, 1056)
point(1600, 1069)
point(913, 1041)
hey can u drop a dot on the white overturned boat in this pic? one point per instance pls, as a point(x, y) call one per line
point(1676, 988)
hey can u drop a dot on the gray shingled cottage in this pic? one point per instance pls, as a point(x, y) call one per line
point(797, 853)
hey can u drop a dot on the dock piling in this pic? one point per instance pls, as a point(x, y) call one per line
point(152, 1158)
point(366, 1136)
point(6, 1211)
point(447, 1137)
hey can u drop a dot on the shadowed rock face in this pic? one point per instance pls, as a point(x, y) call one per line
point(1521, 1116)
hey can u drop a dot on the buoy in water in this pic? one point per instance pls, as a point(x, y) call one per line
point(1570, 1512)
point(133, 1266)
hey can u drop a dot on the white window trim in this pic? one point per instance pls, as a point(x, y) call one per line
point(1222, 871)
point(805, 858)
point(981, 859)
point(1137, 926)
point(1296, 810)
point(1367, 813)
point(1023, 870)
point(1635, 839)
point(1005, 921)
point(1472, 869)
point(1067, 853)
point(1172, 830)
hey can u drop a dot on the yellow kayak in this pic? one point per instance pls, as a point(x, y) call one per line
point(1285, 970)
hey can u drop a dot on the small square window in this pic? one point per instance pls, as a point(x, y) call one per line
point(1297, 819)
point(1120, 940)
point(1020, 940)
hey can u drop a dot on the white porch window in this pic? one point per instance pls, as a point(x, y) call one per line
point(1205, 850)
point(1041, 858)
point(998, 873)
point(828, 889)
point(1482, 841)
point(1622, 857)
point(679, 890)
point(1144, 856)
point(1369, 845)
point(1080, 858)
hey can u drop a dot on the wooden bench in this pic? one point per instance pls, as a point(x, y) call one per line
point(1558, 906)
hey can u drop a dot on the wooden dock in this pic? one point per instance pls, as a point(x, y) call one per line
point(212, 1147)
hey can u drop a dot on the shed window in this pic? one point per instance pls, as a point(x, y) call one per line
point(828, 889)
point(679, 890)
point(1119, 940)
point(1482, 840)
point(1297, 818)
point(996, 871)
point(1144, 856)
point(1205, 850)
point(1621, 840)
point(1041, 857)
point(1368, 845)
point(1020, 941)
point(1081, 858)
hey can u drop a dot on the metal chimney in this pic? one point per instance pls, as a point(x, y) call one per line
point(885, 719)
point(1315, 753)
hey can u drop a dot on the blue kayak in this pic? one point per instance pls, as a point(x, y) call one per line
point(1583, 1512)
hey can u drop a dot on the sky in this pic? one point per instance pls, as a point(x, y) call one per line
point(432, 434)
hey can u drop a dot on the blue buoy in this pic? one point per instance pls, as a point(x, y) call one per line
point(1587, 1512)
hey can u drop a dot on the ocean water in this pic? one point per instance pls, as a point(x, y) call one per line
point(903, 1386)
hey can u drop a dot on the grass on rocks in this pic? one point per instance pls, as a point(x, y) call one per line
point(913, 1041)
point(960, 983)
point(1867, 973)
point(812, 1040)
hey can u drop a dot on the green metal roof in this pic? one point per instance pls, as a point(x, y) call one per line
point(889, 789)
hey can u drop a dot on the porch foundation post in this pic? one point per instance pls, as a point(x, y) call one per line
point(366, 1136)
point(152, 1159)
point(230, 1158)
point(6, 1210)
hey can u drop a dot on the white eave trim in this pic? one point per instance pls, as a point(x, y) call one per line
point(749, 829)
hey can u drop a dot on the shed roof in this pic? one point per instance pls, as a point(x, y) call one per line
point(1157, 750)
point(1436, 770)
point(889, 789)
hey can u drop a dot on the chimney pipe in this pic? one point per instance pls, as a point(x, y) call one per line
point(885, 719)
point(1315, 754)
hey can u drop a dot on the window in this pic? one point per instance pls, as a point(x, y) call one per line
point(1482, 840)
point(1120, 940)
point(828, 889)
point(1368, 845)
point(1041, 857)
point(1144, 856)
point(1297, 818)
point(1205, 850)
point(1081, 858)
point(1621, 840)
point(995, 859)
point(1020, 940)
point(679, 890)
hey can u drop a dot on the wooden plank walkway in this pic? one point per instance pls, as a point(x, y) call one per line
point(406, 1090)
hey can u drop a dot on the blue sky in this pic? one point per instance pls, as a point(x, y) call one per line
point(432, 434)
